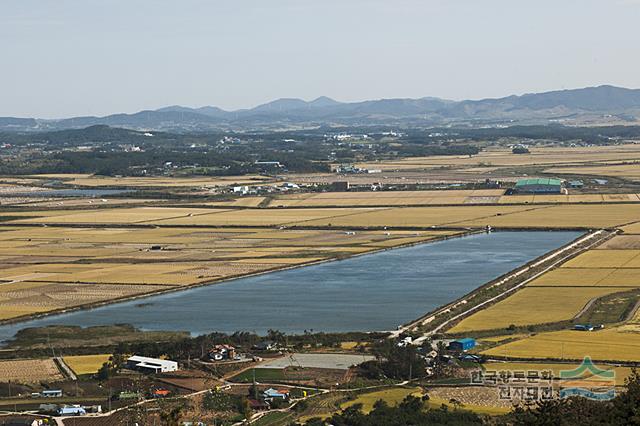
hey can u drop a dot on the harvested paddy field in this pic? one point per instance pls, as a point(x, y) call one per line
point(29, 371)
point(625, 171)
point(430, 198)
point(105, 181)
point(479, 399)
point(504, 157)
point(388, 198)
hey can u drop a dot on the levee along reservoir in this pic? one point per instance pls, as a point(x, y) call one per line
point(367, 293)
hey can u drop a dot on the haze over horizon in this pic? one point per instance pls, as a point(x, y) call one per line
point(75, 58)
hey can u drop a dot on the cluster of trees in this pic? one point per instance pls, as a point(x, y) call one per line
point(409, 412)
point(622, 410)
point(213, 153)
point(520, 150)
point(394, 362)
point(196, 347)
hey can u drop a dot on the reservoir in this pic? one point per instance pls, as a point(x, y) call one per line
point(373, 292)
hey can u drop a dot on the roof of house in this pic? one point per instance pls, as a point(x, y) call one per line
point(144, 361)
point(222, 347)
point(540, 181)
point(276, 392)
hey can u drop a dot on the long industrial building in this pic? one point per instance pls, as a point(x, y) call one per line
point(538, 186)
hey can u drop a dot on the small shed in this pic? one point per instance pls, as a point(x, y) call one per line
point(462, 344)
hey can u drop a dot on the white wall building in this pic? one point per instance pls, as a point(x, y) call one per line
point(152, 365)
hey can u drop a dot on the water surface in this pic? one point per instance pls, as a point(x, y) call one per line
point(367, 293)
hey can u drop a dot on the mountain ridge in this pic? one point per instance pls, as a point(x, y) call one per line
point(551, 106)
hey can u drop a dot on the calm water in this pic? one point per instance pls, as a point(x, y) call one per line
point(373, 292)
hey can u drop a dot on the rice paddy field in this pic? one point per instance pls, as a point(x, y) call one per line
point(613, 344)
point(86, 364)
point(392, 396)
point(532, 305)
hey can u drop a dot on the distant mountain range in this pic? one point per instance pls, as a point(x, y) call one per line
point(592, 105)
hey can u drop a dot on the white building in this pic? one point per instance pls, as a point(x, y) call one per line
point(152, 365)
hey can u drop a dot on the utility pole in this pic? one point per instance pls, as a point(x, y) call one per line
point(255, 388)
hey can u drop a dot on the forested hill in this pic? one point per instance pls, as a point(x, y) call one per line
point(591, 105)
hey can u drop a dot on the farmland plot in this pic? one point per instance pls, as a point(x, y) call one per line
point(29, 371)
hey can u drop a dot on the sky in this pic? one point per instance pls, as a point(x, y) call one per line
point(61, 58)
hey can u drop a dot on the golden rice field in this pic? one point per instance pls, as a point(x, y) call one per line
point(29, 371)
point(392, 397)
point(574, 277)
point(608, 344)
point(533, 305)
point(610, 258)
point(86, 364)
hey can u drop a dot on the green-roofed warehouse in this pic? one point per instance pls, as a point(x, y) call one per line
point(539, 186)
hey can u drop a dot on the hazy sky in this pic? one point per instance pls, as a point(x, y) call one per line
point(95, 57)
